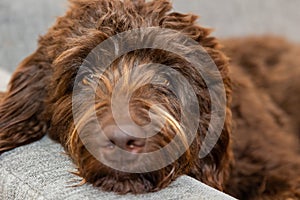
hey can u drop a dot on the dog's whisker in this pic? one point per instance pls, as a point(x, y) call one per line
point(73, 184)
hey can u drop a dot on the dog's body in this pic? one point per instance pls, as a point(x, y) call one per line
point(265, 76)
point(265, 143)
point(266, 160)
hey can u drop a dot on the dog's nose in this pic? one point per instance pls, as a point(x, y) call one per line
point(129, 138)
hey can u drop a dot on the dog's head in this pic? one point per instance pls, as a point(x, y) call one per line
point(138, 109)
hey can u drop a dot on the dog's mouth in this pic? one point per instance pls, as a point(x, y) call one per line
point(128, 149)
point(112, 180)
point(128, 183)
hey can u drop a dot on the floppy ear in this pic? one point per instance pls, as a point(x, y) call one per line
point(22, 117)
point(214, 168)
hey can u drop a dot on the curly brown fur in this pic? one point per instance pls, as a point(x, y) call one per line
point(266, 152)
point(39, 100)
point(265, 72)
point(273, 65)
point(1, 96)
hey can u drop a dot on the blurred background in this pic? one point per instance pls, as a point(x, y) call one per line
point(22, 21)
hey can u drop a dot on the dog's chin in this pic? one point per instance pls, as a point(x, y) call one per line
point(129, 183)
point(112, 180)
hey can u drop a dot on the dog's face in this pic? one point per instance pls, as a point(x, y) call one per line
point(135, 112)
point(135, 125)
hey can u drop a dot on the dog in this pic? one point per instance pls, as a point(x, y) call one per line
point(130, 122)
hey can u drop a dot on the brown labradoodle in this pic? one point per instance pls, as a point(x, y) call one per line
point(254, 156)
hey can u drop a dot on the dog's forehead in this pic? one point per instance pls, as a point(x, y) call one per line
point(134, 70)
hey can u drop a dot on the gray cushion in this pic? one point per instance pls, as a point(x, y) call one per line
point(42, 171)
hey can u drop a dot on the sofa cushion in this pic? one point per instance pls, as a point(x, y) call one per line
point(41, 170)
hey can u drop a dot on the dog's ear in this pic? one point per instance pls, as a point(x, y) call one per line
point(22, 118)
point(216, 165)
point(214, 168)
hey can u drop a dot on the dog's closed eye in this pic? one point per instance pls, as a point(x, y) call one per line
point(88, 79)
point(85, 79)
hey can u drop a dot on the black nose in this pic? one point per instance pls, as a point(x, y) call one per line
point(126, 137)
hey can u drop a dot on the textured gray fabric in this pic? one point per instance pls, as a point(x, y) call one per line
point(41, 171)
